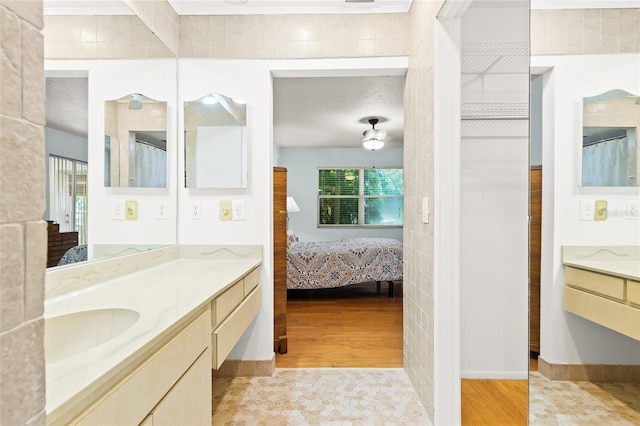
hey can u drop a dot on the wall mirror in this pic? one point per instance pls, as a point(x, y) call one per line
point(610, 139)
point(215, 132)
point(135, 142)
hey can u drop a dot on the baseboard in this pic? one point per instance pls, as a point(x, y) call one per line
point(598, 373)
point(246, 368)
point(495, 375)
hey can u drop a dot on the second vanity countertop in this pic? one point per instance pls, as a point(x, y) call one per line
point(621, 261)
point(164, 292)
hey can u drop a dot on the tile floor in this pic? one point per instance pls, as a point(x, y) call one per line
point(319, 396)
point(385, 396)
point(564, 403)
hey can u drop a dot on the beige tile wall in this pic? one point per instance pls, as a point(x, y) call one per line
point(293, 36)
point(100, 37)
point(237, 37)
point(22, 232)
point(574, 31)
point(160, 18)
point(418, 281)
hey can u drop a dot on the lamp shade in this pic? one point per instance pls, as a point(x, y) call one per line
point(292, 206)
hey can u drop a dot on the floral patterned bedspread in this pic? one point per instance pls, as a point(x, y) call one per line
point(327, 264)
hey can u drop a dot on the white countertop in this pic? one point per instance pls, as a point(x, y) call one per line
point(164, 295)
point(621, 261)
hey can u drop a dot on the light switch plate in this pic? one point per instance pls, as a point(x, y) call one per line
point(601, 212)
point(425, 210)
point(226, 210)
point(131, 210)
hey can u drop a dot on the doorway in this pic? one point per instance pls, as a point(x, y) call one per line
point(338, 327)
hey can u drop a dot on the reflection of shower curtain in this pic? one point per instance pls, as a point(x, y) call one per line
point(151, 166)
point(605, 163)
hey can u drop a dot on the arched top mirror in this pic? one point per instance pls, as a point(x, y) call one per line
point(610, 124)
point(215, 132)
point(135, 142)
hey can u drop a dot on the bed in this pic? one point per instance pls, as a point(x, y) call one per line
point(330, 264)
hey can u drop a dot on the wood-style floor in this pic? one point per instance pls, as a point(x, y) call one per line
point(358, 326)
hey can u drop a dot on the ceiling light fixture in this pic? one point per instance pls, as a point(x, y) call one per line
point(209, 100)
point(135, 101)
point(373, 138)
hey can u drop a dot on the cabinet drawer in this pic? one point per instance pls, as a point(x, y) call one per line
point(225, 337)
point(633, 292)
point(224, 304)
point(132, 400)
point(608, 313)
point(606, 285)
point(251, 281)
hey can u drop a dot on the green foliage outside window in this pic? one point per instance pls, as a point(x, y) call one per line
point(360, 197)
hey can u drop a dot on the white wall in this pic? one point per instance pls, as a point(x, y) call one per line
point(113, 79)
point(564, 337)
point(302, 183)
point(494, 206)
point(64, 145)
point(251, 80)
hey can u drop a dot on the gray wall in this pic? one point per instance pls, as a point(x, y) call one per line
point(302, 183)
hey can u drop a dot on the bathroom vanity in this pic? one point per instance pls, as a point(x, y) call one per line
point(132, 340)
point(602, 284)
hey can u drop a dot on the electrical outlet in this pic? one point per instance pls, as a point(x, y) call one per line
point(117, 212)
point(633, 209)
point(226, 210)
point(601, 212)
point(587, 211)
point(131, 210)
point(196, 210)
point(239, 209)
point(162, 213)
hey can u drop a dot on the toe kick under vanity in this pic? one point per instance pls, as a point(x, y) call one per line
point(132, 340)
point(602, 284)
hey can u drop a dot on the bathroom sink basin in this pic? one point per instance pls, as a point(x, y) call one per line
point(73, 333)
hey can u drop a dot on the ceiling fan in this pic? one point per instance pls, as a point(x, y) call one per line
point(373, 138)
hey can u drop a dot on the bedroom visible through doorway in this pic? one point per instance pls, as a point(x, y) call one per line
point(340, 313)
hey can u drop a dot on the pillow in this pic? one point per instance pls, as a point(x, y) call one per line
point(291, 238)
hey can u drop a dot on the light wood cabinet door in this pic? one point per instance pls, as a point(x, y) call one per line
point(189, 401)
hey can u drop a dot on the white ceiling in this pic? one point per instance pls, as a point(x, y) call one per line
point(66, 104)
point(268, 7)
point(334, 111)
point(231, 7)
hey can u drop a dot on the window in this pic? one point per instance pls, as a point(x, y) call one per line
point(68, 195)
point(360, 197)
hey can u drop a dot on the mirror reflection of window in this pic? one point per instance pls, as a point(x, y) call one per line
point(609, 139)
point(215, 142)
point(136, 142)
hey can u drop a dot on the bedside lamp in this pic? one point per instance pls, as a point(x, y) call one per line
point(292, 206)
